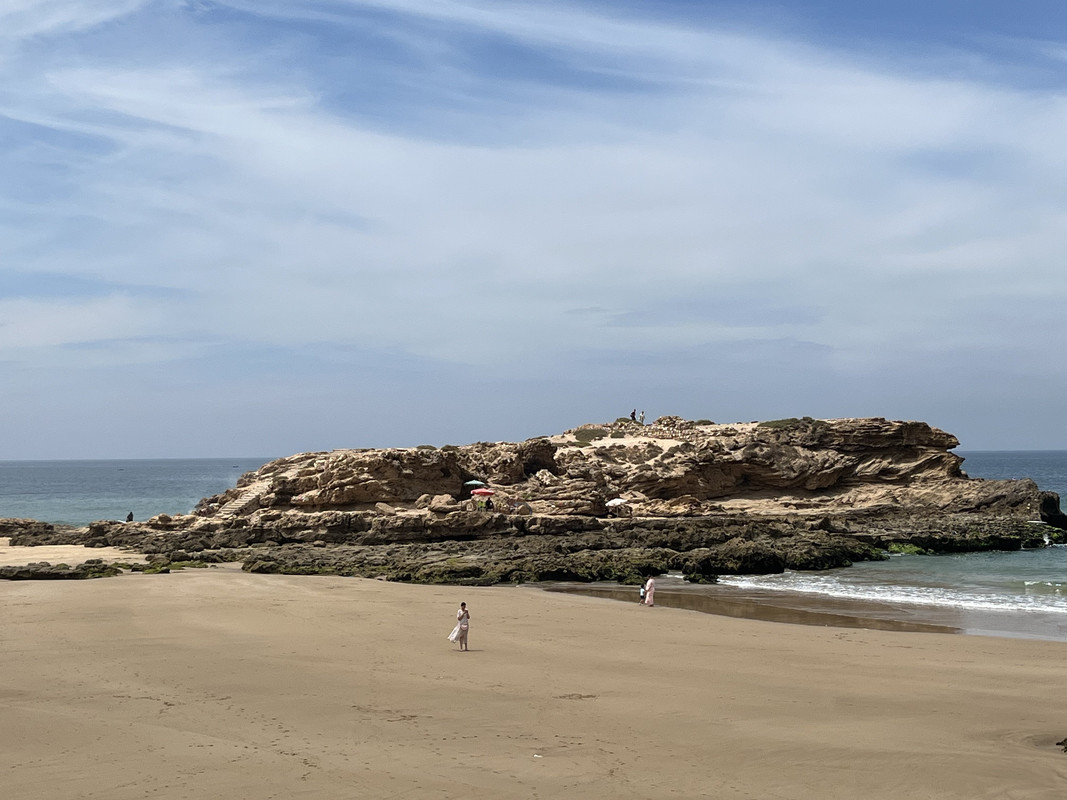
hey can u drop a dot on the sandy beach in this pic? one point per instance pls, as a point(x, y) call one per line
point(61, 554)
point(214, 683)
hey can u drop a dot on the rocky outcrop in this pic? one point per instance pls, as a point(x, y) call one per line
point(42, 570)
point(615, 501)
point(12, 526)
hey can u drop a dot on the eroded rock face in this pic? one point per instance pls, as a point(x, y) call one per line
point(671, 467)
point(704, 499)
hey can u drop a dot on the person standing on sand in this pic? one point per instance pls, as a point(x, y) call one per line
point(650, 591)
point(463, 624)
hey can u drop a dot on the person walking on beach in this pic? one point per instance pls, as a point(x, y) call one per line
point(650, 591)
point(463, 624)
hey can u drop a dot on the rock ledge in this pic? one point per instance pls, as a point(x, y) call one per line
point(613, 501)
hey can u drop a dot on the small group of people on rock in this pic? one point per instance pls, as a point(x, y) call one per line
point(635, 418)
point(514, 506)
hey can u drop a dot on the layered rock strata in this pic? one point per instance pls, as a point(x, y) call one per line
point(614, 501)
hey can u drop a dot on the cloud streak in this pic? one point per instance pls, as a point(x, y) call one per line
point(21, 20)
point(496, 193)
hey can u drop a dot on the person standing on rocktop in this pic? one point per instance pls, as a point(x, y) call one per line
point(641, 419)
point(633, 415)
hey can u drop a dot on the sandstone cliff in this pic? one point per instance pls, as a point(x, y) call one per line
point(613, 501)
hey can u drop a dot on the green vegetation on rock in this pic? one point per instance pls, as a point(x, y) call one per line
point(587, 436)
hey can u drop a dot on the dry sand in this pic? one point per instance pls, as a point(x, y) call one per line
point(219, 684)
point(71, 555)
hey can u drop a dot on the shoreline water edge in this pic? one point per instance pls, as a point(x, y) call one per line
point(826, 610)
point(738, 600)
point(1011, 594)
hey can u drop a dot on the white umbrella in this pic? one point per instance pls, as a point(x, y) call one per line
point(618, 501)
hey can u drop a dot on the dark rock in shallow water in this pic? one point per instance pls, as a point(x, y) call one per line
point(818, 551)
point(1050, 510)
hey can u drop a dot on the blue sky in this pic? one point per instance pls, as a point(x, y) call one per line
point(255, 227)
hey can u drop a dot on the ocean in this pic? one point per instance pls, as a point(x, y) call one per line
point(1001, 593)
point(1020, 593)
point(80, 492)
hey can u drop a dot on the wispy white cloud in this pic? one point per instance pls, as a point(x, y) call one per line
point(22, 19)
point(738, 192)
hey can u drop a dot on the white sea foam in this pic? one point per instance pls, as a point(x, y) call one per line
point(830, 585)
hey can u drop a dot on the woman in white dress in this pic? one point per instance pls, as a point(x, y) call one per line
point(463, 619)
point(650, 592)
point(463, 624)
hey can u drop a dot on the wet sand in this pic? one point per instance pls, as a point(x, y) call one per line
point(783, 607)
point(219, 684)
point(818, 609)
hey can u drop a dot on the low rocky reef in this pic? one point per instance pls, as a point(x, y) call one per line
point(43, 570)
point(615, 501)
